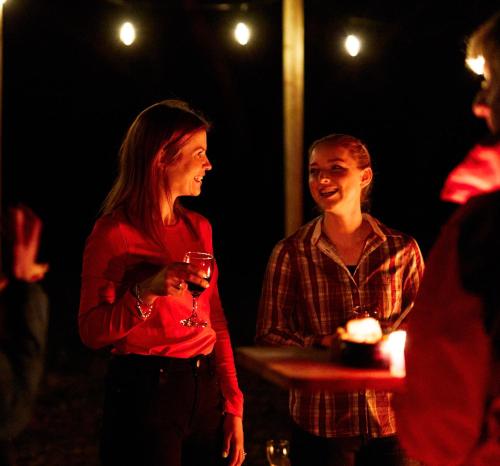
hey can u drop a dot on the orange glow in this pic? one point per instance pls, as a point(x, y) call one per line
point(476, 64)
point(393, 347)
point(366, 330)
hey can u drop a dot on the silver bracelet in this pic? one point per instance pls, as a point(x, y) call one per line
point(140, 304)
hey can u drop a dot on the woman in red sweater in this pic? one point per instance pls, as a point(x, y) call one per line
point(172, 395)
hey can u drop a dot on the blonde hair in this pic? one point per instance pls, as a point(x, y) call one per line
point(485, 42)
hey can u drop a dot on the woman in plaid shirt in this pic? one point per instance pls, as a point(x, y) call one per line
point(343, 260)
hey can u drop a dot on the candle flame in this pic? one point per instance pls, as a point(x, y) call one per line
point(365, 330)
point(393, 348)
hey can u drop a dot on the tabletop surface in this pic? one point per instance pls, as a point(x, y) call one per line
point(311, 369)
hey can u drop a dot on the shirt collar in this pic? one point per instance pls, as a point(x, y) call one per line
point(316, 235)
point(375, 226)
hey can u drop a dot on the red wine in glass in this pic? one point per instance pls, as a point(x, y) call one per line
point(205, 262)
point(196, 289)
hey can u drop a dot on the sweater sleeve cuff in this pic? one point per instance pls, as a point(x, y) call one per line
point(233, 404)
point(236, 409)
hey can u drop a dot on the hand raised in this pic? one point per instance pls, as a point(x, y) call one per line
point(26, 230)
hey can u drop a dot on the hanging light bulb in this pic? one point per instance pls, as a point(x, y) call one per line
point(127, 33)
point(476, 64)
point(242, 33)
point(352, 45)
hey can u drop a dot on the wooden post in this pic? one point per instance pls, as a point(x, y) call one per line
point(293, 110)
point(1, 119)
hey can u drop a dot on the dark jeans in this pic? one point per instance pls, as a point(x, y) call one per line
point(310, 450)
point(162, 411)
point(24, 317)
point(7, 453)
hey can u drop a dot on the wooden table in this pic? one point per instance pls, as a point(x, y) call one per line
point(310, 369)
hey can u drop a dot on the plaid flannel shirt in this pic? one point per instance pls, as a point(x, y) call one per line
point(308, 292)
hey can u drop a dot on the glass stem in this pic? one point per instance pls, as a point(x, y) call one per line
point(195, 307)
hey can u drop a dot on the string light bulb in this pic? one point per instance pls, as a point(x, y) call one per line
point(242, 33)
point(352, 45)
point(127, 33)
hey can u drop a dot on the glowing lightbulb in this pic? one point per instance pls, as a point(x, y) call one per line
point(352, 44)
point(242, 33)
point(127, 33)
point(476, 64)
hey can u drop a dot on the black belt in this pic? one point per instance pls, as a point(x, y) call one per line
point(139, 362)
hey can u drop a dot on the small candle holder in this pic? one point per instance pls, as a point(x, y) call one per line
point(362, 355)
point(358, 344)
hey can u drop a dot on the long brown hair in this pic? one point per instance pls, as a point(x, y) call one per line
point(155, 136)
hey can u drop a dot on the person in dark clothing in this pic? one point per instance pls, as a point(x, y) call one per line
point(24, 313)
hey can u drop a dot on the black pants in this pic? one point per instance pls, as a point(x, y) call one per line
point(7, 457)
point(162, 411)
point(310, 450)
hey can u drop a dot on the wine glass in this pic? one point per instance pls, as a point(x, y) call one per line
point(205, 262)
point(360, 312)
point(277, 452)
point(364, 311)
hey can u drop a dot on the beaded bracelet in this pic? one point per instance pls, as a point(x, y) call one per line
point(139, 304)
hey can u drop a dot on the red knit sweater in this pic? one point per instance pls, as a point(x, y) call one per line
point(117, 255)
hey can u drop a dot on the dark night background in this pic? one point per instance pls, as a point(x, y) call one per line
point(71, 89)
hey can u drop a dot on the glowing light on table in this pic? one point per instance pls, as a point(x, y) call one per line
point(476, 64)
point(242, 33)
point(352, 45)
point(127, 33)
point(393, 347)
point(365, 330)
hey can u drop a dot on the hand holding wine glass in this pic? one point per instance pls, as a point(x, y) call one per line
point(205, 263)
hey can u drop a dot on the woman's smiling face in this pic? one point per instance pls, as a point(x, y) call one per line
point(335, 181)
point(185, 174)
